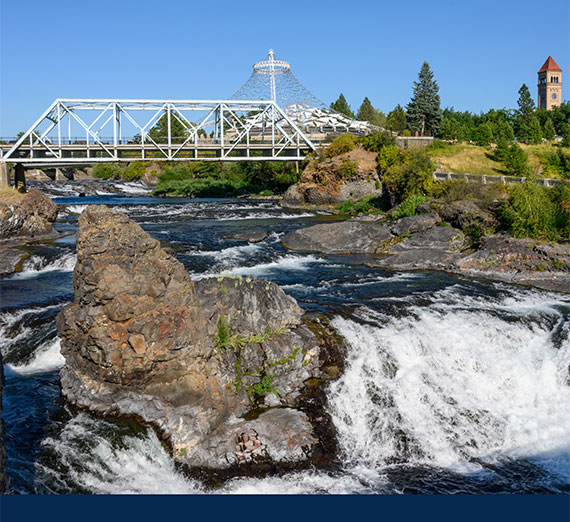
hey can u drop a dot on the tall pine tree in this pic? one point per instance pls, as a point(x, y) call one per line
point(368, 113)
point(424, 111)
point(342, 106)
point(525, 101)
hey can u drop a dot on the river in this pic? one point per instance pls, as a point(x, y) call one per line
point(451, 385)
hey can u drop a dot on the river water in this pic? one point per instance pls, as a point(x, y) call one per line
point(451, 385)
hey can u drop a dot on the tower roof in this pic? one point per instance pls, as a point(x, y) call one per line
point(550, 65)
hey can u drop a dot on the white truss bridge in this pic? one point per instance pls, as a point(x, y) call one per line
point(74, 132)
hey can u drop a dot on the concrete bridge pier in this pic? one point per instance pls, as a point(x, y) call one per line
point(4, 174)
point(20, 178)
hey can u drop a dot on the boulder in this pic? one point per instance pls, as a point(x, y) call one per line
point(412, 224)
point(343, 237)
point(26, 215)
point(461, 214)
point(141, 338)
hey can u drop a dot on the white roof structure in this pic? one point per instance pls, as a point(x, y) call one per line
point(273, 80)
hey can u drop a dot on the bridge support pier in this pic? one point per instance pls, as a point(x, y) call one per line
point(20, 178)
point(4, 174)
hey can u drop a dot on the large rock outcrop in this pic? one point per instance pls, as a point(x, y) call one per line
point(191, 358)
point(26, 215)
point(324, 182)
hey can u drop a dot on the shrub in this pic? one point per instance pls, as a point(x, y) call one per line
point(559, 161)
point(107, 170)
point(412, 174)
point(516, 161)
point(375, 142)
point(134, 171)
point(366, 205)
point(348, 168)
point(532, 211)
point(344, 143)
point(409, 206)
point(389, 155)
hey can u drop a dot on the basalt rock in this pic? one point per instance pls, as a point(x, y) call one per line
point(141, 338)
point(26, 215)
point(3, 460)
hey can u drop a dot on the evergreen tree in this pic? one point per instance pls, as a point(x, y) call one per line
point(516, 161)
point(548, 132)
point(342, 106)
point(396, 120)
point(368, 113)
point(484, 134)
point(534, 131)
point(424, 111)
point(505, 131)
point(449, 128)
point(525, 101)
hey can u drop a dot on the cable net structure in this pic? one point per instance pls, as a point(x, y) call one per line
point(273, 80)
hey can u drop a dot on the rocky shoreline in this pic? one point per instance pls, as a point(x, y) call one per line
point(427, 242)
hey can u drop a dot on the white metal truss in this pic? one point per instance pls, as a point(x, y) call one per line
point(80, 131)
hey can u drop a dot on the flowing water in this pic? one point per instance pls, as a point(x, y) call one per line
point(451, 385)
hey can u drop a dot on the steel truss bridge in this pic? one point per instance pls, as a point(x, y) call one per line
point(78, 132)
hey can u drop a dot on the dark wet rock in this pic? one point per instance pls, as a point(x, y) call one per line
point(293, 196)
point(420, 223)
point(141, 338)
point(26, 215)
point(338, 238)
point(255, 236)
point(11, 256)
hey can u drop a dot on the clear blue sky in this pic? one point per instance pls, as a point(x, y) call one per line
point(481, 51)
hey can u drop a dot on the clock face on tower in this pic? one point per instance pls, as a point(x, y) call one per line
point(554, 96)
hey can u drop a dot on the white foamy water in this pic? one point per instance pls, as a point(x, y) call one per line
point(37, 265)
point(75, 209)
point(449, 387)
point(46, 358)
point(132, 187)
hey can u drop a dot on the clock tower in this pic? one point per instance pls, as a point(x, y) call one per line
point(549, 85)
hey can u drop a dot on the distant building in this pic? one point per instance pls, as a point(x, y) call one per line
point(549, 85)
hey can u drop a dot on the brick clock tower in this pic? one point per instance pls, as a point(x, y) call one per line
point(549, 85)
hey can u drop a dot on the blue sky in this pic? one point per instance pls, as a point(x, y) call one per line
point(481, 52)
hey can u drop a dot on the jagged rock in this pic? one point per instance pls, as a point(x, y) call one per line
point(420, 223)
point(141, 338)
point(26, 215)
point(342, 237)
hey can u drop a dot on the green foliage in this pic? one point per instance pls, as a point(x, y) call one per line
point(559, 161)
point(474, 231)
point(263, 386)
point(342, 106)
point(548, 130)
point(411, 174)
point(107, 170)
point(525, 101)
point(424, 112)
point(134, 171)
point(484, 135)
point(210, 179)
point(223, 335)
point(368, 113)
point(397, 120)
point(516, 161)
point(461, 189)
point(409, 206)
point(536, 211)
point(375, 142)
point(365, 205)
point(348, 168)
point(388, 156)
point(344, 143)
